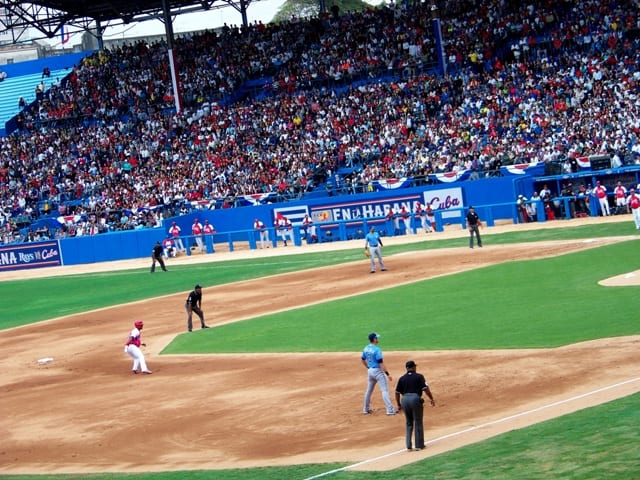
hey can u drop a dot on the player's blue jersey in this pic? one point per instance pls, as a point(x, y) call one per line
point(373, 355)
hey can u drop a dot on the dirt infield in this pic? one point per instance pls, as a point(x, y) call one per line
point(85, 412)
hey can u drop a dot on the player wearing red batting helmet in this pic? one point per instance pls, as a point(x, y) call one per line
point(132, 348)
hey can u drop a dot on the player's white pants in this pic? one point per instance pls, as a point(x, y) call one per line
point(604, 206)
point(426, 226)
point(376, 375)
point(179, 244)
point(407, 225)
point(264, 238)
point(138, 357)
point(286, 235)
point(200, 243)
point(636, 217)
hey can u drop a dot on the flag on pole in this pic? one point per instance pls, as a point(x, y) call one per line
point(64, 34)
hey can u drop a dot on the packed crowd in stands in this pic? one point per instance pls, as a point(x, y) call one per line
point(527, 82)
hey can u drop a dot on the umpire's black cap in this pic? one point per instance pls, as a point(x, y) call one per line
point(410, 364)
point(197, 287)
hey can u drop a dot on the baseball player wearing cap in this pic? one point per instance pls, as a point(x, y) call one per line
point(194, 305)
point(196, 230)
point(132, 348)
point(620, 194)
point(376, 374)
point(175, 230)
point(634, 203)
point(373, 242)
point(406, 219)
point(259, 226)
point(169, 247)
point(410, 387)
point(601, 194)
point(431, 218)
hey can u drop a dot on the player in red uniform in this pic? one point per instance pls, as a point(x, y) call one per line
point(132, 348)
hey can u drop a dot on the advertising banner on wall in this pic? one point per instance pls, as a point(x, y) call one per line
point(30, 255)
point(448, 201)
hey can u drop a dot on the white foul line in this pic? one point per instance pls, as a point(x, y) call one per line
point(477, 427)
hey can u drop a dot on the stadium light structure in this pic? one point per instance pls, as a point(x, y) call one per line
point(437, 33)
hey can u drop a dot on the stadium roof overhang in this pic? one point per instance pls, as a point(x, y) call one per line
point(49, 17)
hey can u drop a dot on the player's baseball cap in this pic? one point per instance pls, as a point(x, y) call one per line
point(373, 336)
point(410, 364)
point(139, 324)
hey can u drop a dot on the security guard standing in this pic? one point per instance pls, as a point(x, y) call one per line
point(410, 386)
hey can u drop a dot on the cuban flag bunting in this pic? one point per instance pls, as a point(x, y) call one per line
point(450, 177)
point(392, 183)
point(584, 162)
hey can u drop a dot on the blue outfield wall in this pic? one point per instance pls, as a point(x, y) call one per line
point(110, 246)
point(336, 218)
point(345, 217)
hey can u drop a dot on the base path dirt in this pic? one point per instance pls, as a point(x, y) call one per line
point(85, 412)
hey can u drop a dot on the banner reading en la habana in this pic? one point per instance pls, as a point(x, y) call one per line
point(447, 200)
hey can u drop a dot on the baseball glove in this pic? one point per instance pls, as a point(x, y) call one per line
point(366, 252)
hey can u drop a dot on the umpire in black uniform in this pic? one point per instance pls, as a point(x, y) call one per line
point(410, 386)
point(194, 305)
point(473, 223)
point(156, 256)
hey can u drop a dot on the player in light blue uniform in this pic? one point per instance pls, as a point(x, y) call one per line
point(373, 242)
point(376, 373)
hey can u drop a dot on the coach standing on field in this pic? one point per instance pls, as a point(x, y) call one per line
point(410, 387)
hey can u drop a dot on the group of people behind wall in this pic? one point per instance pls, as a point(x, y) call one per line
point(284, 230)
point(173, 243)
point(581, 202)
point(580, 205)
point(403, 219)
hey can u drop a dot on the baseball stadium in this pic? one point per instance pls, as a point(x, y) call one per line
point(529, 344)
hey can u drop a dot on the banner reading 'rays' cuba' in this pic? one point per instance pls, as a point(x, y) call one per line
point(30, 255)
